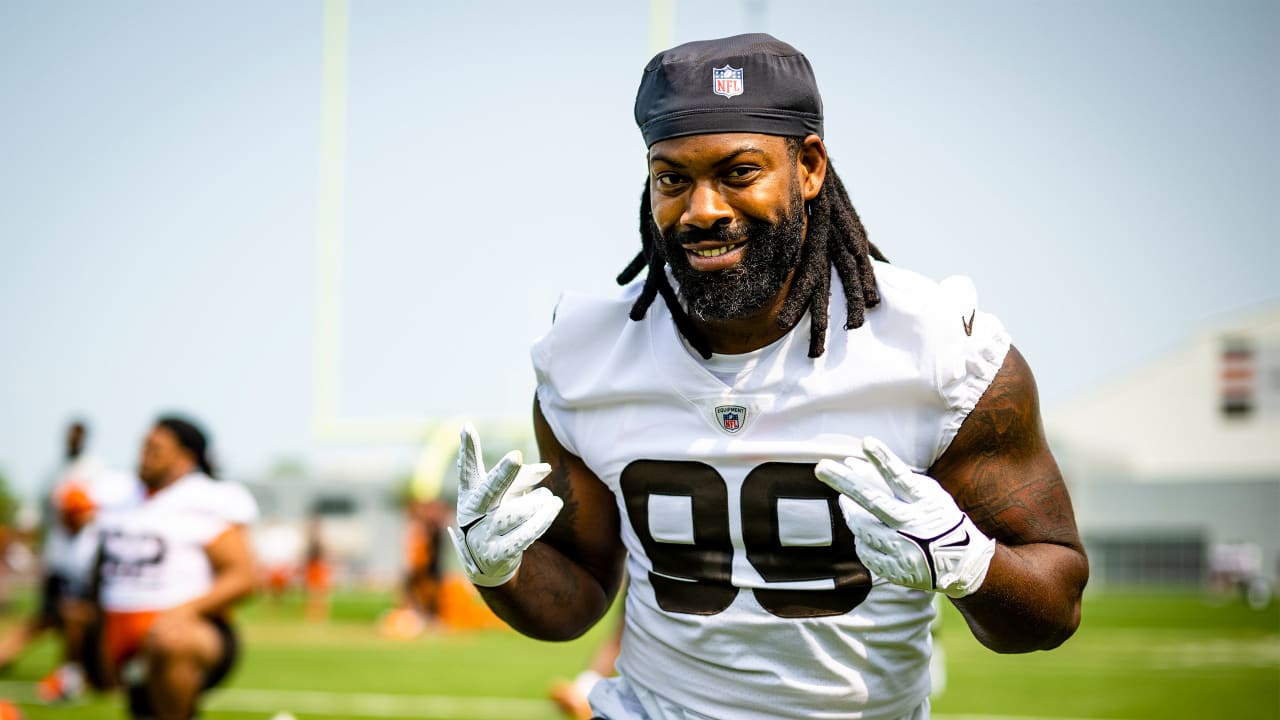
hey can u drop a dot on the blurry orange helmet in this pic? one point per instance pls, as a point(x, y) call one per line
point(75, 507)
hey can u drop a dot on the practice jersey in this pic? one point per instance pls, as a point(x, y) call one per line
point(85, 488)
point(747, 597)
point(154, 554)
point(55, 549)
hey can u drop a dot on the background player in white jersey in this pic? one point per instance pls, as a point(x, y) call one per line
point(169, 572)
point(55, 555)
point(788, 494)
point(82, 488)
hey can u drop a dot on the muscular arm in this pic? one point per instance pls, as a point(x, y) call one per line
point(1000, 471)
point(232, 563)
point(568, 577)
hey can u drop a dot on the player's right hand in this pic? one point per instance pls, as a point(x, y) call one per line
point(500, 513)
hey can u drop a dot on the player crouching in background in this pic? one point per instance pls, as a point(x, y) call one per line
point(169, 571)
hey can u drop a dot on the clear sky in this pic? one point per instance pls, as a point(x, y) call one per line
point(1108, 173)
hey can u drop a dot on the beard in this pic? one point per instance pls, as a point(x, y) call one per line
point(771, 252)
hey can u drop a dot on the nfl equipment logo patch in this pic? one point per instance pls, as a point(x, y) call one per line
point(731, 418)
point(726, 81)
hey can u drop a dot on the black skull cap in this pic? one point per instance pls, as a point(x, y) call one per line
point(746, 83)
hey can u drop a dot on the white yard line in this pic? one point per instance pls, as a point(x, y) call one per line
point(344, 704)
point(378, 705)
point(437, 706)
point(949, 716)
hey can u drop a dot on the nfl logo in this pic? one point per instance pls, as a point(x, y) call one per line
point(731, 417)
point(726, 81)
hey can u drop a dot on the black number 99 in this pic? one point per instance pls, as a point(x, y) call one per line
point(694, 575)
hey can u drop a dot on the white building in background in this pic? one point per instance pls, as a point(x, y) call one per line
point(1181, 459)
point(361, 518)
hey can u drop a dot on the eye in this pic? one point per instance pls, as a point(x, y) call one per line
point(742, 172)
point(669, 179)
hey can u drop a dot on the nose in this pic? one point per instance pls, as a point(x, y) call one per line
point(706, 208)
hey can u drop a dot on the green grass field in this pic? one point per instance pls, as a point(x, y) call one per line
point(1136, 656)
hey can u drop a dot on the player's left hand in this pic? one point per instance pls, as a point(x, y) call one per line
point(909, 530)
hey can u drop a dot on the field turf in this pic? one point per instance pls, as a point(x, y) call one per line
point(1136, 656)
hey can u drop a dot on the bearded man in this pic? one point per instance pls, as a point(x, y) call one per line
point(787, 496)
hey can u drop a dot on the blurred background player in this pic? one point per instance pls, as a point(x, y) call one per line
point(432, 596)
point(427, 520)
point(79, 489)
point(55, 545)
point(169, 571)
point(279, 548)
point(317, 572)
point(426, 515)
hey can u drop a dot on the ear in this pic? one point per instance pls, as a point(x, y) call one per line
point(811, 162)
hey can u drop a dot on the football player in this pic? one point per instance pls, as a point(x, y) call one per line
point(792, 452)
point(317, 572)
point(169, 571)
point(83, 488)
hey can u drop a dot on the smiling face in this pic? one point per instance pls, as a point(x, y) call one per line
point(730, 210)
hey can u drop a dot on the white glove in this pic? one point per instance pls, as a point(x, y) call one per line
point(499, 513)
point(909, 530)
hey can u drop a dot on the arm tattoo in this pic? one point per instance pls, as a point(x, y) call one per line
point(561, 533)
point(999, 468)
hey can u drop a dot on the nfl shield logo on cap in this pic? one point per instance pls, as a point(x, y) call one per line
point(726, 81)
point(731, 418)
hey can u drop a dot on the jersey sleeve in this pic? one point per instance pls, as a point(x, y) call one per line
point(240, 508)
point(554, 407)
point(586, 359)
point(969, 348)
point(224, 505)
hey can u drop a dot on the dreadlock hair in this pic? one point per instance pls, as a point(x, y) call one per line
point(191, 438)
point(835, 237)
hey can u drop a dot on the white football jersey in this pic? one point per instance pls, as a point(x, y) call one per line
point(747, 597)
point(153, 555)
point(108, 490)
point(55, 552)
point(112, 491)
